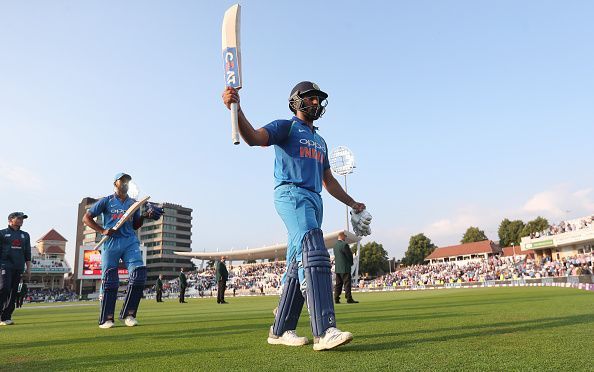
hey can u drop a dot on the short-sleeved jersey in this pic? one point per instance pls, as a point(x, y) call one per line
point(15, 248)
point(301, 155)
point(112, 209)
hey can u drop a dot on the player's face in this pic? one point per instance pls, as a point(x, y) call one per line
point(16, 222)
point(314, 106)
point(121, 186)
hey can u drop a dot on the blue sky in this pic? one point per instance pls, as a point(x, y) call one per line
point(459, 113)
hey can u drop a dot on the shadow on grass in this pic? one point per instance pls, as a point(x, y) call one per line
point(433, 306)
point(139, 334)
point(113, 360)
point(492, 329)
point(407, 317)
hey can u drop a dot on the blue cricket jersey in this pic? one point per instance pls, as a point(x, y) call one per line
point(301, 155)
point(112, 209)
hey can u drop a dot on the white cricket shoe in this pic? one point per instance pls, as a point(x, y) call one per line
point(107, 324)
point(130, 321)
point(6, 322)
point(288, 338)
point(332, 338)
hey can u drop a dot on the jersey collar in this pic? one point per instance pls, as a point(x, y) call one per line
point(296, 119)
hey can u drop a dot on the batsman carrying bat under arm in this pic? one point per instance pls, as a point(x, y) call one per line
point(301, 169)
point(121, 244)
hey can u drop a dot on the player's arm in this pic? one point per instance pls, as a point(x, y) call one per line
point(334, 189)
point(27, 252)
point(89, 221)
point(251, 136)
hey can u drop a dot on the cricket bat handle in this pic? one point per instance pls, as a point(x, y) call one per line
point(234, 124)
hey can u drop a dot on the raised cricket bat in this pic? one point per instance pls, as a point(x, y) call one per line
point(232, 60)
point(125, 217)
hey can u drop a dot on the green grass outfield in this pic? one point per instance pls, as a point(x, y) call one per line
point(458, 329)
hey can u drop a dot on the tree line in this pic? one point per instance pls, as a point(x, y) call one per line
point(373, 259)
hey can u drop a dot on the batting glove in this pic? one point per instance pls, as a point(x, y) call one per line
point(361, 222)
point(153, 211)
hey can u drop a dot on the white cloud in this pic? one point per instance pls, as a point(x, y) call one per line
point(449, 230)
point(560, 203)
point(17, 177)
point(557, 204)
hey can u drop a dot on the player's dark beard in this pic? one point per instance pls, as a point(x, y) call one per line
point(313, 112)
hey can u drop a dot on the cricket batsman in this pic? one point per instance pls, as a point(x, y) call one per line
point(301, 169)
point(122, 244)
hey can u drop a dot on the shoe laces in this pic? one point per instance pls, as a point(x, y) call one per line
point(291, 333)
point(332, 332)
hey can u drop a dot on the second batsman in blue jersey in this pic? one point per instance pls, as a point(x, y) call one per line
point(122, 244)
point(301, 168)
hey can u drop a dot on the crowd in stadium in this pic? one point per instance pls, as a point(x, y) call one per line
point(50, 295)
point(565, 226)
point(265, 278)
point(493, 268)
point(47, 263)
point(252, 278)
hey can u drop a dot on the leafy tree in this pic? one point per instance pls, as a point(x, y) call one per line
point(473, 234)
point(373, 259)
point(510, 232)
point(419, 247)
point(536, 225)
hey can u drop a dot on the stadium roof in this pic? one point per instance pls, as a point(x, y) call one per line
point(485, 246)
point(271, 252)
point(516, 251)
point(52, 235)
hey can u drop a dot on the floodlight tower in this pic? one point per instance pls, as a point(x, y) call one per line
point(342, 162)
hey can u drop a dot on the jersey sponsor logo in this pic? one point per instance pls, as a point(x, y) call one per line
point(116, 213)
point(312, 150)
point(301, 130)
point(16, 244)
point(312, 143)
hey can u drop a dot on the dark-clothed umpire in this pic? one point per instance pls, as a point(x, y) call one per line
point(183, 284)
point(15, 253)
point(343, 261)
point(159, 288)
point(221, 277)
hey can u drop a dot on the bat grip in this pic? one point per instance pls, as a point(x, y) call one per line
point(234, 124)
